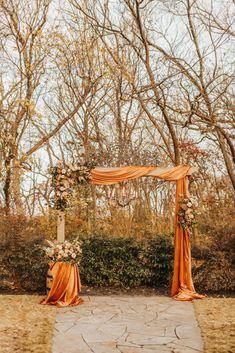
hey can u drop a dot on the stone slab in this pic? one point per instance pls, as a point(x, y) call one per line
point(124, 324)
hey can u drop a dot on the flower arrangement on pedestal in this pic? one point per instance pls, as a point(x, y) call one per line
point(70, 252)
point(187, 214)
point(65, 177)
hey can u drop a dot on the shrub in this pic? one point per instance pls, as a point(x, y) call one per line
point(126, 262)
point(216, 273)
point(118, 262)
point(112, 262)
point(159, 260)
point(21, 260)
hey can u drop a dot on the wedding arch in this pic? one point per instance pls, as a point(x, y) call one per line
point(182, 284)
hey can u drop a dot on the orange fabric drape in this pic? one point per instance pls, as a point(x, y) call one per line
point(65, 286)
point(100, 176)
point(182, 284)
point(108, 176)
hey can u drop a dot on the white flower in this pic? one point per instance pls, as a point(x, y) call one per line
point(189, 204)
point(73, 255)
point(191, 216)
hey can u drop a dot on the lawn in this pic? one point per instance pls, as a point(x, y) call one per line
point(25, 326)
point(216, 317)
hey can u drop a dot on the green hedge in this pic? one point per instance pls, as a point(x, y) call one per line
point(119, 262)
point(126, 262)
point(21, 261)
point(24, 265)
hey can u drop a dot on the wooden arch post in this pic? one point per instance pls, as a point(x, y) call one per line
point(60, 226)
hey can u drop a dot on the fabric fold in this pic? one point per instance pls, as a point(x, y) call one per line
point(66, 285)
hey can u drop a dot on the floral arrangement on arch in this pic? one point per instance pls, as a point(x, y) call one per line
point(65, 177)
point(187, 213)
point(70, 252)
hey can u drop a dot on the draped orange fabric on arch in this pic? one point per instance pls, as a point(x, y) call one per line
point(182, 284)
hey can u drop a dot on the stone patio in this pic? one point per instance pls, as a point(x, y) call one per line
point(124, 324)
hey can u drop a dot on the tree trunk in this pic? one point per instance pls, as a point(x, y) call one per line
point(7, 185)
point(228, 163)
point(16, 188)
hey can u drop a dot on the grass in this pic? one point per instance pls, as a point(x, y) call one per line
point(25, 326)
point(216, 317)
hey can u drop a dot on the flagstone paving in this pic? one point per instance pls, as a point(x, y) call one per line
point(122, 324)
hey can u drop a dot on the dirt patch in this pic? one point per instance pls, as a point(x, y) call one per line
point(25, 326)
point(217, 322)
point(133, 291)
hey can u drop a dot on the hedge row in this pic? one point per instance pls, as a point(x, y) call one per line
point(120, 262)
point(125, 262)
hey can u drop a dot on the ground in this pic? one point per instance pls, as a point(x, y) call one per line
point(216, 317)
point(26, 326)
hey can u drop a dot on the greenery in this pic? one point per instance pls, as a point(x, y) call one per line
point(126, 262)
point(112, 261)
point(121, 262)
point(22, 262)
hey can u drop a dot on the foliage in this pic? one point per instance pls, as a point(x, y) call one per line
point(217, 273)
point(120, 262)
point(217, 224)
point(126, 262)
point(21, 260)
point(158, 258)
